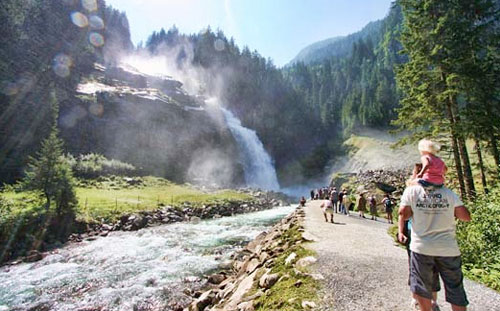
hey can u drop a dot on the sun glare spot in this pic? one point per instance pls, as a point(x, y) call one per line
point(71, 118)
point(96, 109)
point(96, 22)
point(62, 65)
point(96, 39)
point(219, 45)
point(79, 19)
point(70, 2)
point(9, 88)
point(90, 5)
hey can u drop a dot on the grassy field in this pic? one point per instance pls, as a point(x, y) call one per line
point(109, 198)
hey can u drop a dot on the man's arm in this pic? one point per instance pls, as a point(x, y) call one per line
point(462, 213)
point(405, 213)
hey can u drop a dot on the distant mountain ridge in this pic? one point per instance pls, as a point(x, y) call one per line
point(336, 46)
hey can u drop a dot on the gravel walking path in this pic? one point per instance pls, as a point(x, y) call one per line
point(365, 270)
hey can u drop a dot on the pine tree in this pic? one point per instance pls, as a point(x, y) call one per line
point(49, 173)
point(442, 40)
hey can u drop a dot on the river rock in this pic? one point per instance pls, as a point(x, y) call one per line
point(216, 278)
point(194, 219)
point(306, 261)
point(33, 256)
point(257, 295)
point(306, 236)
point(191, 279)
point(40, 306)
point(290, 258)
point(308, 305)
point(202, 302)
point(252, 246)
point(268, 280)
point(316, 276)
point(252, 265)
point(246, 306)
point(243, 288)
point(264, 256)
point(106, 227)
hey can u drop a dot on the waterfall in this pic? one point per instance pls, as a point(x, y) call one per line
point(258, 167)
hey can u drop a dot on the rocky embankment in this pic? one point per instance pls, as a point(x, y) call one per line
point(253, 274)
point(393, 181)
point(385, 180)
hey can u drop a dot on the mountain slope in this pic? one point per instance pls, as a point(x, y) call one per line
point(336, 46)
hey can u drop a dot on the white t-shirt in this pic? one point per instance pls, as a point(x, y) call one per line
point(433, 220)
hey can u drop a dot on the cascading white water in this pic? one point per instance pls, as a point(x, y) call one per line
point(258, 167)
point(144, 270)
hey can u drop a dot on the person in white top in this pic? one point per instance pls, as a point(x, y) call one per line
point(327, 208)
point(433, 243)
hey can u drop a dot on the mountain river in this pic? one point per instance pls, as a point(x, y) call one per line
point(149, 269)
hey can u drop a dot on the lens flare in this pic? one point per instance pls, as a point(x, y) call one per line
point(79, 19)
point(219, 45)
point(71, 118)
point(90, 5)
point(62, 65)
point(70, 2)
point(96, 109)
point(9, 88)
point(96, 22)
point(96, 39)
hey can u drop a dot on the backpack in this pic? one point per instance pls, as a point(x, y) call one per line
point(388, 203)
point(335, 196)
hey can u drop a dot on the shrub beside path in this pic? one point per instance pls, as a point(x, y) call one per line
point(365, 270)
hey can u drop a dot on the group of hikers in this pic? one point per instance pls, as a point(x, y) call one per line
point(341, 202)
point(426, 226)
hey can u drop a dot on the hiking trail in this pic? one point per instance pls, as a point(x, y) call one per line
point(364, 269)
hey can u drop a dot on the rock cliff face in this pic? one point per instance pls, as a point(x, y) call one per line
point(152, 123)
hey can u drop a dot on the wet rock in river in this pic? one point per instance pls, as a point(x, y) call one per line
point(216, 278)
point(33, 256)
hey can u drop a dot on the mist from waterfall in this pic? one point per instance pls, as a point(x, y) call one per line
point(258, 167)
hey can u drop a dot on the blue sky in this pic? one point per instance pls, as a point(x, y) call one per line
point(277, 29)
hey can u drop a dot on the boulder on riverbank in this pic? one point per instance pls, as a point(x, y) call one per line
point(252, 276)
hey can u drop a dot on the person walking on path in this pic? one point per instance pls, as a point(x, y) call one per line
point(346, 201)
point(341, 202)
point(433, 243)
point(388, 204)
point(327, 208)
point(373, 207)
point(302, 202)
point(362, 204)
point(334, 196)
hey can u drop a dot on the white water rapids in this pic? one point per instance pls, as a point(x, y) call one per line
point(258, 166)
point(142, 270)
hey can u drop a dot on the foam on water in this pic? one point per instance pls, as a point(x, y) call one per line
point(127, 269)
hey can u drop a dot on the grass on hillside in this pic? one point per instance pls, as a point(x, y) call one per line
point(109, 198)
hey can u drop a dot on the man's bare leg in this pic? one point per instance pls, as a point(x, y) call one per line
point(458, 308)
point(424, 303)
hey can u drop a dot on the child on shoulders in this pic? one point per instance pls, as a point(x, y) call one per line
point(433, 167)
